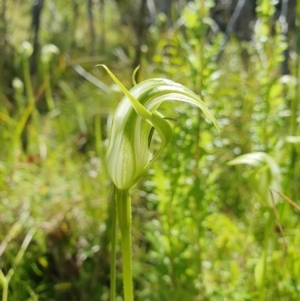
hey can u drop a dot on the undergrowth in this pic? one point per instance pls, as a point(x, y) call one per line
point(204, 223)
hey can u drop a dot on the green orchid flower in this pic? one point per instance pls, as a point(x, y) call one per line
point(128, 156)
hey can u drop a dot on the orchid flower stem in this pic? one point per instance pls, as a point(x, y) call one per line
point(27, 80)
point(124, 217)
point(47, 83)
point(113, 250)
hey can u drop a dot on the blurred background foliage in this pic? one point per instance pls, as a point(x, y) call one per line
point(205, 226)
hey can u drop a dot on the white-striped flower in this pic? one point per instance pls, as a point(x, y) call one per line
point(128, 156)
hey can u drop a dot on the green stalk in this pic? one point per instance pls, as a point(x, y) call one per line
point(15, 139)
point(113, 250)
point(98, 136)
point(4, 286)
point(268, 239)
point(47, 83)
point(5, 279)
point(124, 217)
point(27, 80)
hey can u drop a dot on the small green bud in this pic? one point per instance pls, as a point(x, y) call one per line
point(47, 53)
point(26, 49)
point(18, 85)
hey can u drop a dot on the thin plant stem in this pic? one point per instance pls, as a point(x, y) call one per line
point(278, 220)
point(98, 136)
point(16, 138)
point(47, 83)
point(4, 286)
point(295, 205)
point(113, 250)
point(268, 239)
point(27, 80)
point(124, 217)
point(5, 279)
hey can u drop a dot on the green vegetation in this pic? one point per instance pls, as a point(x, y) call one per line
point(214, 218)
point(127, 158)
